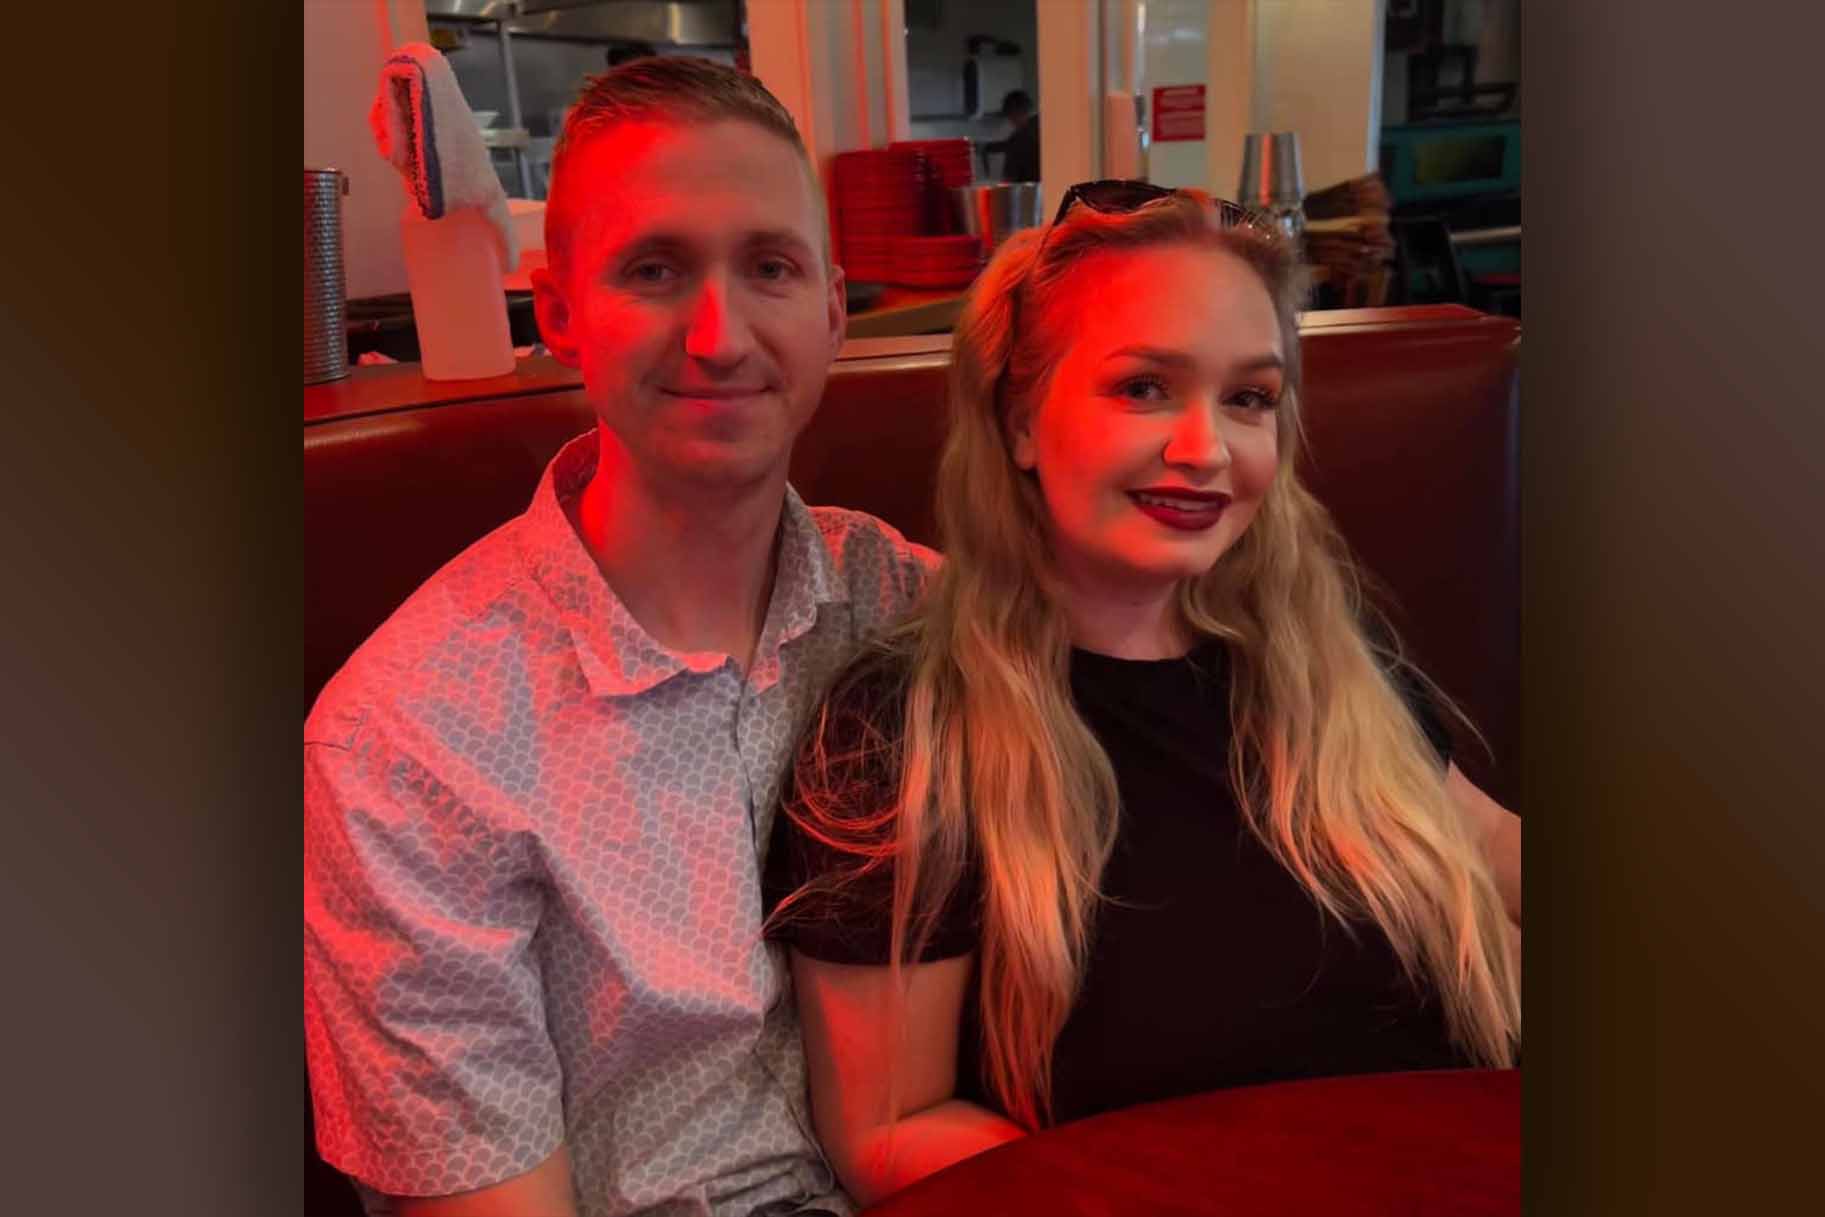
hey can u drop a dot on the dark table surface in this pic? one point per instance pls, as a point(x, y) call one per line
point(1414, 1144)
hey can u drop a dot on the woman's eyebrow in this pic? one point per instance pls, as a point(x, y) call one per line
point(1266, 361)
point(1160, 355)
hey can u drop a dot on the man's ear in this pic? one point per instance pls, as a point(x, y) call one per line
point(553, 311)
point(839, 309)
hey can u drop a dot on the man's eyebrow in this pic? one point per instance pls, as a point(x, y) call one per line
point(649, 243)
point(663, 241)
point(776, 238)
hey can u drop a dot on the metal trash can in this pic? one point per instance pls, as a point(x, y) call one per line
point(992, 211)
point(326, 340)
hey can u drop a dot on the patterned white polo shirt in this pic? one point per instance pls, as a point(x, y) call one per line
point(532, 841)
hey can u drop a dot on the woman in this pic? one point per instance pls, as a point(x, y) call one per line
point(1136, 805)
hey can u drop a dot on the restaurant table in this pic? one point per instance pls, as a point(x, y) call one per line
point(1445, 1143)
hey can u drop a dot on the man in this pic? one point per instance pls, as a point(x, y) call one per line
point(535, 798)
point(1020, 150)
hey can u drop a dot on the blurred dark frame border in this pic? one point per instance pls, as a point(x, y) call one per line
point(1671, 606)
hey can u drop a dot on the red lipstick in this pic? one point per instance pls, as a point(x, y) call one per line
point(1179, 508)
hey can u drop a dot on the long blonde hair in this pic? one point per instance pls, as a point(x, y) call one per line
point(995, 763)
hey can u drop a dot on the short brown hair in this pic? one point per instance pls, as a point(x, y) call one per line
point(679, 89)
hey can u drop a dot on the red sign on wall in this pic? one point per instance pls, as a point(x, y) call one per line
point(1178, 112)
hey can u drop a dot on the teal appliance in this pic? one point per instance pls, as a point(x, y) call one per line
point(1457, 181)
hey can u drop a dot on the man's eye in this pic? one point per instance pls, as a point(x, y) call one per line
point(651, 272)
point(774, 268)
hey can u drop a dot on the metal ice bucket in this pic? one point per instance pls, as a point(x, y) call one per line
point(991, 211)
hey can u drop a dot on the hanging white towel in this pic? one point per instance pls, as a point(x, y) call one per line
point(424, 128)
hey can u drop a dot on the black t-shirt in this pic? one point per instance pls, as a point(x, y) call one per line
point(1211, 965)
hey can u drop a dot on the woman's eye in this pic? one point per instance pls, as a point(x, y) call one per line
point(1256, 399)
point(1144, 388)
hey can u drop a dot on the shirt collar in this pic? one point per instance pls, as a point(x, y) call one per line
point(617, 655)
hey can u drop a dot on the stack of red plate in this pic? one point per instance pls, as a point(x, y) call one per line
point(936, 261)
point(949, 164)
point(881, 193)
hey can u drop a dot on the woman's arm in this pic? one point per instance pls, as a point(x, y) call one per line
point(850, 1055)
point(1499, 830)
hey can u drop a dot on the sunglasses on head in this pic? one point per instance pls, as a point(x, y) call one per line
point(1117, 196)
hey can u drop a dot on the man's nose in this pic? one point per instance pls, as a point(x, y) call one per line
point(716, 330)
point(1196, 443)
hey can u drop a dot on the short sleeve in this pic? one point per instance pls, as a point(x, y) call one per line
point(841, 908)
point(431, 1069)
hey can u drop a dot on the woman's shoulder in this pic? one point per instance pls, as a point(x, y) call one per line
point(870, 689)
point(850, 746)
point(832, 835)
point(879, 669)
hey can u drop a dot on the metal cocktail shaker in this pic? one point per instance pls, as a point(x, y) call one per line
point(1271, 179)
point(326, 340)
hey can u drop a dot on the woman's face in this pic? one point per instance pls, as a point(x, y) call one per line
point(1156, 438)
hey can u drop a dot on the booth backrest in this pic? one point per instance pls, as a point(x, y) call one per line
point(1410, 415)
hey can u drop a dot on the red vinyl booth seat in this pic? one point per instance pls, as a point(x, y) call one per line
point(1411, 416)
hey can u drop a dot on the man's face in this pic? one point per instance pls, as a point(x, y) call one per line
point(695, 298)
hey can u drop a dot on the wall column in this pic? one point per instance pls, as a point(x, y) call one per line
point(1230, 92)
point(839, 68)
point(1070, 101)
point(1318, 72)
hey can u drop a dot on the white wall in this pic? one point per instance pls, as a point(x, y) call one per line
point(345, 42)
point(1310, 66)
point(1318, 72)
point(810, 54)
point(1230, 104)
point(1174, 53)
point(1071, 49)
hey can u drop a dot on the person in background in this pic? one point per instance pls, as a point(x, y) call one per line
point(536, 800)
point(1020, 150)
point(1141, 801)
point(626, 52)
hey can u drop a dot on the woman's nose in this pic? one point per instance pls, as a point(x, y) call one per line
point(1196, 442)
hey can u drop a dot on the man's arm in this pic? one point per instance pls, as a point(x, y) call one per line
point(431, 1068)
point(544, 1191)
point(852, 1061)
